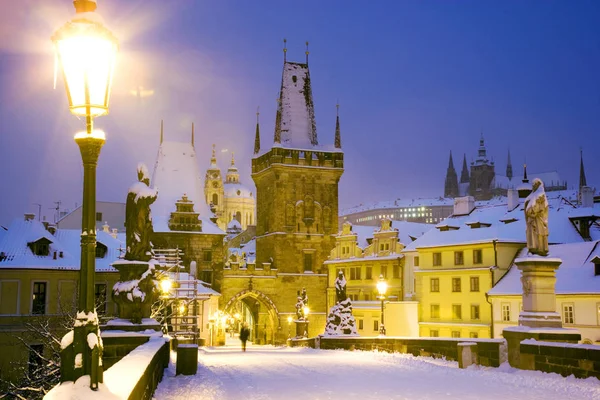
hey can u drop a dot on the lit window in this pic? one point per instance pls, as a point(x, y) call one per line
point(505, 312)
point(437, 259)
point(474, 284)
point(568, 313)
point(434, 284)
point(456, 286)
point(434, 333)
point(475, 311)
point(459, 258)
point(456, 311)
point(455, 334)
point(477, 256)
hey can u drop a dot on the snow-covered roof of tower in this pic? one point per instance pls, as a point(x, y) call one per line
point(176, 173)
point(233, 190)
point(18, 254)
point(574, 275)
point(406, 231)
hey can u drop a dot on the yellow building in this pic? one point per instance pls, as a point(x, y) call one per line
point(364, 254)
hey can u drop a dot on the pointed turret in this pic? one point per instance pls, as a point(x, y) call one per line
point(582, 180)
point(161, 131)
point(481, 152)
point(525, 187)
point(233, 175)
point(257, 136)
point(192, 134)
point(295, 125)
point(338, 137)
point(451, 185)
point(213, 158)
point(464, 174)
point(509, 170)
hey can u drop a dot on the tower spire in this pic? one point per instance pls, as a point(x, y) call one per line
point(464, 175)
point(257, 136)
point(525, 179)
point(338, 136)
point(451, 184)
point(582, 180)
point(232, 159)
point(192, 134)
point(284, 50)
point(307, 53)
point(161, 131)
point(213, 158)
point(509, 169)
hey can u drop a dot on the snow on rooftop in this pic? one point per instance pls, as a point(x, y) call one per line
point(549, 178)
point(18, 254)
point(236, 190)
point(176, 173)
point(574, 275)
point(406, 230)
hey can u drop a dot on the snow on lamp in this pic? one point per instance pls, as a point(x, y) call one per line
point(86, 51)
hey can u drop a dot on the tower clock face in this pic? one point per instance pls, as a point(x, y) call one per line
point(214, 176)
point(215, 184)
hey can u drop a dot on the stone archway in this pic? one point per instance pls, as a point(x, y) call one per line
point(265, 335)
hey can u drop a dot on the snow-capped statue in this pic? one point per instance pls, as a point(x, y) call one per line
point(340, 320)
point(536, 218)
point(301, 304)
point(138, 222)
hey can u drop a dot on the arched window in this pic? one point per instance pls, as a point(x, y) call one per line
point(215, 199)
point(238, 216)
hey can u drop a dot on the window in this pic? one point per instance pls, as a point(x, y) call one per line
point(435, 311)
point(456, 311)
point(101, 250)
point(396, 271)
point(384, 271)
point(474, 284)
point(474, 311)
point(416, 261)
point(307, 262)
point(353, 297)
point(36, 352)
point(100, 298)
point(505, 312)
point(455, 334)
point(207, 255)
point(477, 256)
point(568, 313)
point(376, 326)
point(369, 273)
point(99, 216)
point(434, 284)
point(437, 259)
point(39, 298)
point(215, 199)
point(456, 285)
point(459, 258)
point(360, 324)
point(355, 273)
point(367, 296)
point(434, 333)
point(473, 335)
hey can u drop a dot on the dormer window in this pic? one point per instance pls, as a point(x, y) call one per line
point(101, 250)
point(596, 261)
point(40, 247)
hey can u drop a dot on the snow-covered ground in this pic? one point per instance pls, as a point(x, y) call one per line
point(265, 372)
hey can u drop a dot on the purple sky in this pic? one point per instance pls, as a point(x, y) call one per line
point(414, 81)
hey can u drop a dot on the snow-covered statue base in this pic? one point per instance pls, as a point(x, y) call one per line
point(136, 290)
point(340, 320)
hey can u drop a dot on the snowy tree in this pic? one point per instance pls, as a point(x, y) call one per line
point(340, 320)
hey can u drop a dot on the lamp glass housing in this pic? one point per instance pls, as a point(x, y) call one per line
point(86, 52)
point(382, 286)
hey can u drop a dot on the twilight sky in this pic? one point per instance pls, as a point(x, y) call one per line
point(414, 80)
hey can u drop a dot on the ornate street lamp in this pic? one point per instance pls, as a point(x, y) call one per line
point(289, 320)
point(86, 51)
point(382, 288)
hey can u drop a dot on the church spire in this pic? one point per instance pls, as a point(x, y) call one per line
point(509, 170)
point(338, 137)
point(525, 179)
point(232, 159)
point(161, 131)
point(451, 184)
point(464, 174)
point(582, 180)
point(192, 134)
point(213, 158)
point(257, 136)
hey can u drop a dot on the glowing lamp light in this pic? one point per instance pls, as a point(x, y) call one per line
point(181, 309)
point(289, 319)
point(237, 315)
point(86, 51)
point(382, 286)
point(306, 310)
point(165, 285)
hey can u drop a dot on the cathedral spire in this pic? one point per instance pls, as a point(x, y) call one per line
point(192, 134)
point(338, 137)
point(525, 179)
point(161, 131)
point(509, 170)
point(582, 180)
point(213, 158)
point(257, 136)
point(451, 184)
point(232, 159)
point(464, 174)
point(306, 52)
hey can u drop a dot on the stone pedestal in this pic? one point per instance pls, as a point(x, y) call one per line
point(136, 290)
point(301, 328)
point(538, 277)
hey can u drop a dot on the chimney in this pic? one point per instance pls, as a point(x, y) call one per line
point(464, 205)
point(587, 196)
point(60, 254)
point(513, 199)
point(54, 256)
point(51, 228)
point(29, 216)
point(193, 269)
point(113, 233)
point(105, 227)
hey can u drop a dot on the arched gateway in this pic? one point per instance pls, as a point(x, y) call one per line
point(259, 311)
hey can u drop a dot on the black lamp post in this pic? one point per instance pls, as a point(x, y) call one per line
point(86, 51)
point(382, 288)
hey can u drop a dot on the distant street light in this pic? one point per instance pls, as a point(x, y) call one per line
point(86, 51)
point(165, 286)
point(305, 311)
point(382, 288)
point(289, 319)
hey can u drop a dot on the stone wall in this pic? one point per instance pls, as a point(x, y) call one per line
point(562, 358)
point(489, 351)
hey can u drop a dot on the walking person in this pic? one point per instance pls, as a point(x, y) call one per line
point(244, 334)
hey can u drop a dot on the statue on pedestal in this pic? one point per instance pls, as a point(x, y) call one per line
point(536, 218)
